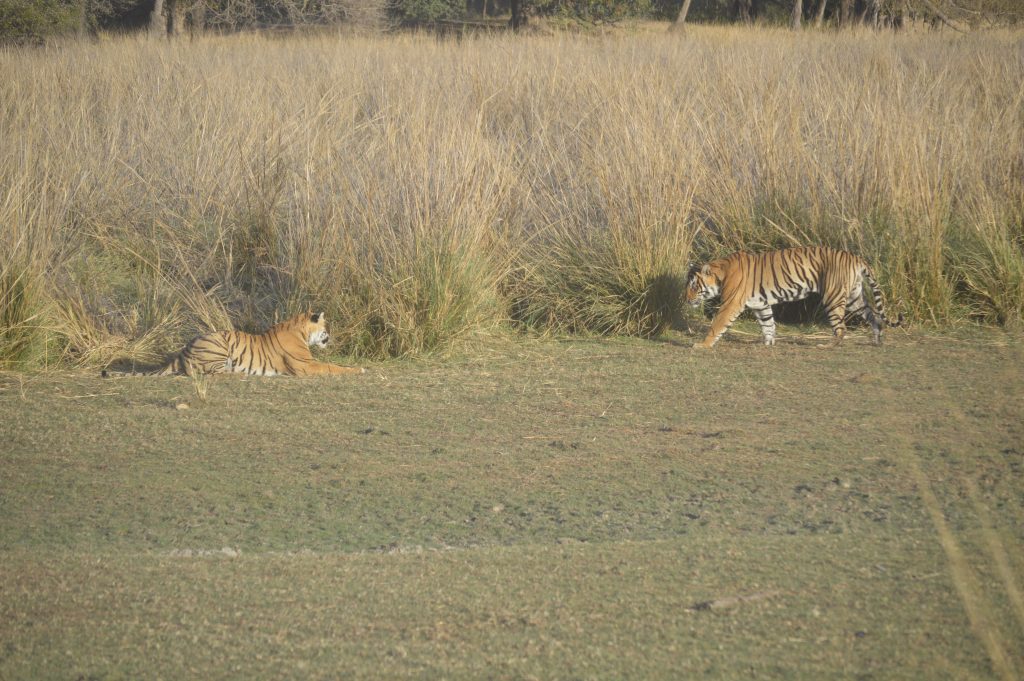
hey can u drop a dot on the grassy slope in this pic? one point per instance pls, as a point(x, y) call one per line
point(550, 510)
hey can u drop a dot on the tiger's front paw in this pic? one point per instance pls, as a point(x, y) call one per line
point(703, 346)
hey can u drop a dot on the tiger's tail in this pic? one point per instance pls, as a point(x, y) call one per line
point(173, 367)
point(879, 302)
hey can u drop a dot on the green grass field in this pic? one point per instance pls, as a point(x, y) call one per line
point(584, 509)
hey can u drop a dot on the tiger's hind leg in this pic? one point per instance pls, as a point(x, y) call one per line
point(835, 310)
point(767, 322)
point(859, 305)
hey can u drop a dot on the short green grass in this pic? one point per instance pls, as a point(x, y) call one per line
point(542, 509)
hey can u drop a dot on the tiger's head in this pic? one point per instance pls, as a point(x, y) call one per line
point(703, 283)
point(312, 326)
point(317, 328)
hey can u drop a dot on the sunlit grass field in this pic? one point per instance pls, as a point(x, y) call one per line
point(429, 192)
point(586, 509)
point(536, 478)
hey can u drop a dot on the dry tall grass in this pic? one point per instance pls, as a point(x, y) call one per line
point(423, 191)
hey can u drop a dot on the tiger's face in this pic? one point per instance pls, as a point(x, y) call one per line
point(316, 330)
point(702, 285)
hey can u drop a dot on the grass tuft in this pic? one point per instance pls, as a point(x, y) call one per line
point(24, 340)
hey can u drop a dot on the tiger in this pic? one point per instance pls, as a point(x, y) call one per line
point(759, 280)
point(282, 350)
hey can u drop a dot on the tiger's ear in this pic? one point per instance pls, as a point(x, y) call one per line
point(706, 270)
point(315, 317)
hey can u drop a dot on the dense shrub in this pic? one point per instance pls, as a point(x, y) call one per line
point(426, 11)
point(31, 21)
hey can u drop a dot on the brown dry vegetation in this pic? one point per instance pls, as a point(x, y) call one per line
point(425, 191)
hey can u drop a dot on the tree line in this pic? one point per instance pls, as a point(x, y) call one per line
point(33, 20)
point(956, 14)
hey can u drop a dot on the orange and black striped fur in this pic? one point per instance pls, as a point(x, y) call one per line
point(283, 350)
point(759, 280)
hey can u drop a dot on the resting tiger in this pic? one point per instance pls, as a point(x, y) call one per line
point(282, 350)
point(759, 280)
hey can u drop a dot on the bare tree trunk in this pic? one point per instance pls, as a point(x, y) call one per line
point(942, 17)
point(864, 12)
point(197, 18)
point(845, 13)
point(819, 18)
point(518, 15)
point(680, 21)
point(83, 18)
point(798, 11)
point(741, 10)
point(157, 22)
point(175, 17)
point(900, 22)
